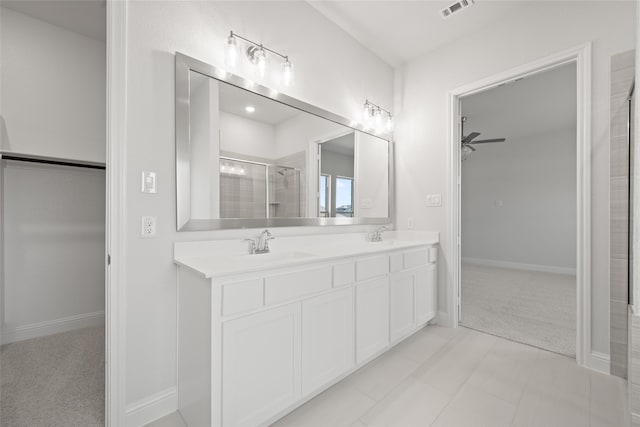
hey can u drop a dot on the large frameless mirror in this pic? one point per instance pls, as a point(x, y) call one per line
point(250, 157)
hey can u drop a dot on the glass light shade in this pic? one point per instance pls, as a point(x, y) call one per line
point(231, 51)
point(287, 73)
point(389, 123)
point(260, 58)
point(366, 115)
point(377, 119)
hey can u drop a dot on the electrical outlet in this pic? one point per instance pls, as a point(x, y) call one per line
point(410, 223)
point(149, 226)
point(149, 182)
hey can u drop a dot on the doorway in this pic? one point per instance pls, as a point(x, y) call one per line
point(52, 211)
point(518, 210)
point(581, 56)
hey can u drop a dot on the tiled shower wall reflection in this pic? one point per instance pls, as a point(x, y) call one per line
point(622, 72)
point(244, 189)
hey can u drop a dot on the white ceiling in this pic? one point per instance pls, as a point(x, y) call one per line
point(86, 17)
point(342, 145)
point(398, 30)
point(540, 103)
point(234, 100)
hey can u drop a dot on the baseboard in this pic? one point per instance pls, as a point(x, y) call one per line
point(442, 319)
point(151, 408)
point(50, 327)
point(600, 362)
point(521, 266)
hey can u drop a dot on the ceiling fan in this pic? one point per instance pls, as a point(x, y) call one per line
point(469, 140)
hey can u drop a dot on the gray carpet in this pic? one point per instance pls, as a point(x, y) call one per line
point(53, 381)
point(530, 307)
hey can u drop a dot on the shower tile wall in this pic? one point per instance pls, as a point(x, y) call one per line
point(243, 196)
point(299, 162)
point(622, 72)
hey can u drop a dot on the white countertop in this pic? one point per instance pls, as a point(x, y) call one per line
point(212, 263)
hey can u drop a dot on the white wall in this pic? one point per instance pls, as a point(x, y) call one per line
point(244, 136)
point(53, 223)
point(295, 134)
point(372, 176)
point(534, 178)
point(53, 90)
point(422, 105)
point(332, 71)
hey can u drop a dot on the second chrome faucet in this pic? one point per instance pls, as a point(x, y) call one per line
point(260, 245)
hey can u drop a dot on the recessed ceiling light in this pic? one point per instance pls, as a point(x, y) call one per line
point(250, 109)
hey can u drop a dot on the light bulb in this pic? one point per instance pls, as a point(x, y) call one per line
point(261, 61)
point(366, 115)
point(389, 123)
point(377, 119)
point(231, 51)
point(287, 72)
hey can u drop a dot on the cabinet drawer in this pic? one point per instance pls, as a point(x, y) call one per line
point(343, 274)
point(288, 286)
point(242, 296)
point(372, 267)
point(433, 254)
point(395, 262)
point(415, 258)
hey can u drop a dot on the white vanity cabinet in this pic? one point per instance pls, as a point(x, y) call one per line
point(253, 346)
point(260, 365)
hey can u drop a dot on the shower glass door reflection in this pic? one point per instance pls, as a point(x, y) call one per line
point(251, 189)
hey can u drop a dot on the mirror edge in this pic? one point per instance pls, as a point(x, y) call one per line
point(183, 65)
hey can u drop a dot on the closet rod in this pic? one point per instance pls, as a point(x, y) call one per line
point(50, 161)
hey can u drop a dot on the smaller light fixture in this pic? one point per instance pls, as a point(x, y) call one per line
point(377, 118)
point(250, 109)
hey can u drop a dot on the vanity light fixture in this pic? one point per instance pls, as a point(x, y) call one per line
point(376, 117)
point(257, 55)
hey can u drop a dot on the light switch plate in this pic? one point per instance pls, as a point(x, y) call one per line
point(149, 182)
point(433, 200)
point(148, 224)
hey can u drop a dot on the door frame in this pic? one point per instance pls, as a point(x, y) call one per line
point(115, 296)
point(581, 56)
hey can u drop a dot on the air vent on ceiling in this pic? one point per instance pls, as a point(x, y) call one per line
point(456, 7)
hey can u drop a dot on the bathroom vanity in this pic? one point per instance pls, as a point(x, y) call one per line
point(258, 335)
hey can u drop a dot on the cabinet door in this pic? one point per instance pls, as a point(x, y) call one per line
point(401, 304)
point(261, 365)
point(372, 318)
point(425, 293)
point(327, 338)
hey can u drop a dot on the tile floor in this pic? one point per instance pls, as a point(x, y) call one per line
point(445, 377)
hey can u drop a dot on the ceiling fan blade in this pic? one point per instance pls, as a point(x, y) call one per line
point(486, 141)
point(470, 137)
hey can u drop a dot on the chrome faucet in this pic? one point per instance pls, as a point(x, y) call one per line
point(376, 236)
point(260, 245)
